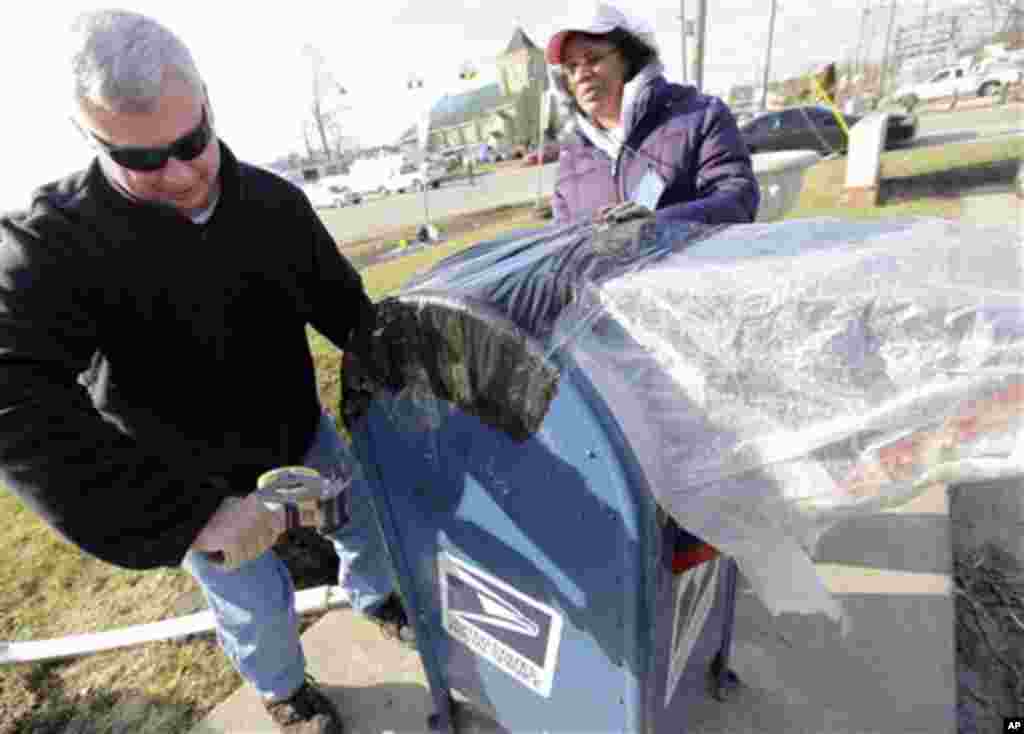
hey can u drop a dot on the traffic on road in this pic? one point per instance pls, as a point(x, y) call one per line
point(514, 184)
point(815, 127)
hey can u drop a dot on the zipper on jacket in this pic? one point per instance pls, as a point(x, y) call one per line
point(616, 168)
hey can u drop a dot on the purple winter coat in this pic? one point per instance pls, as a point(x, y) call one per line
point(690, 139)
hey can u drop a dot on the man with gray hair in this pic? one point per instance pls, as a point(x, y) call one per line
point(154, 359)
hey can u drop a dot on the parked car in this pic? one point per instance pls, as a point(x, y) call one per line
point(551, 151)
point(341, 189)
point(454, 158)
point(503, 151)
point(410, 177)
point(1000, 74)
point(982, 82)
point(814, 127)
point(325, 194)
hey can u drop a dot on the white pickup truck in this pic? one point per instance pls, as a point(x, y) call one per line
point(331, 192)
point(392, 175)
point(956, 80)
point(410, 177)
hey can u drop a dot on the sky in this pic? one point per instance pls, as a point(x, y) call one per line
point(259, 78)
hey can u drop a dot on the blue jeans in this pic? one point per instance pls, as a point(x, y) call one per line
point(254, 606)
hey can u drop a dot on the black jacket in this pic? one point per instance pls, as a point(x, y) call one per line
point(150, 366)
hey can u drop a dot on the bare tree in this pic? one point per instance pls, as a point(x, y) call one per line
point(1007, 15)
point(307, 126)
point(335, 136)
point(325, 106)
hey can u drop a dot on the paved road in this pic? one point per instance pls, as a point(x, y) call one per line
point(1008, 116)
point(517, 185)
point(457, 197)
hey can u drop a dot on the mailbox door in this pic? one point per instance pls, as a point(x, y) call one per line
point(526, 561)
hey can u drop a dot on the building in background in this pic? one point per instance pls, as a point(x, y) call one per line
point(502, 113)
point(925, 42)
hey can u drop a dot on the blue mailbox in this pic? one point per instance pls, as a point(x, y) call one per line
point(577, 437)
point(550, 592)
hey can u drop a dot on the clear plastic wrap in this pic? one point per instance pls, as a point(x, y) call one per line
point(770, 379)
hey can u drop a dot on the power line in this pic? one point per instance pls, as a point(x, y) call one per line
point(702, 25)
point(684, 31)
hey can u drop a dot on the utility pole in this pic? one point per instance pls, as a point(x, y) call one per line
point(768, 58)
point(954, 34)
point(686, 60)
point(541, 144)
point(885, 53)
point(859, 63)
point(702, 24)
point(423, 138)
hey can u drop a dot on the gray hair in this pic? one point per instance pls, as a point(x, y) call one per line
point(119, 60)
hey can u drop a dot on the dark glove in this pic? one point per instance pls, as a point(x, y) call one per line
point(618, 242)
point(366, 368)
point(623, 212)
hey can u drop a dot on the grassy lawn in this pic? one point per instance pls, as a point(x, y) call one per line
point(916, 181)
point(52, 590)
point(49, 589)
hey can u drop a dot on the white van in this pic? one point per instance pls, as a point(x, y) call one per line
point(370, 175)
point(331, 192)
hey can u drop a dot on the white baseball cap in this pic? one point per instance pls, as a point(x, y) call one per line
point(602, 18)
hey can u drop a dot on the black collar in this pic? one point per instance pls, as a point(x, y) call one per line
point(231, 189)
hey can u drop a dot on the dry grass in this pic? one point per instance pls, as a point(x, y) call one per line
point(52, 590)
point(988, 586)
point(365, 252)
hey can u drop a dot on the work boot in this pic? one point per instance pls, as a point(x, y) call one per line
point(308, 711)
point(394, 623)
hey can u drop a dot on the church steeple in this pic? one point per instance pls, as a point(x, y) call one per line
point(519, 42)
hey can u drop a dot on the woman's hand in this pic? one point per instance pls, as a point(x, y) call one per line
point(615, 213)
point(602, 213)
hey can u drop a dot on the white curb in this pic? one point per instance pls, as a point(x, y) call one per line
point(318, 599)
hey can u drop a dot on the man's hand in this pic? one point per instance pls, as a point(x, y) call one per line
point(240, 530)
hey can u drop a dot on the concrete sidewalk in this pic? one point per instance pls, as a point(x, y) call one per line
point(894, 673)
point(378, 684)
point(994, 206)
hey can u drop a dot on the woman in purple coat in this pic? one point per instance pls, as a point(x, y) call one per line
point(638, 137)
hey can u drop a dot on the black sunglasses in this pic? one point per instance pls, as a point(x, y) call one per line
point(186, 148)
